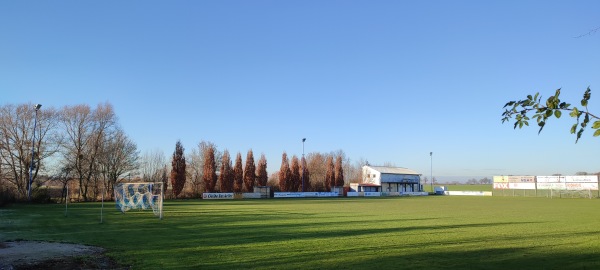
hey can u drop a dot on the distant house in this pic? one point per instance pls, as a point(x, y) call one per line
point(390, 179)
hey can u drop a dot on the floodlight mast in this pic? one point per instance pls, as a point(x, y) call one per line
point(431, 170)
point(303, 163)
point(37, 108)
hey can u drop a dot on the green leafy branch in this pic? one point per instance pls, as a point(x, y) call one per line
point(518, 111)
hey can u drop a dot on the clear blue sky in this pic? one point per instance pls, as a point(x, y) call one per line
point(386, 81)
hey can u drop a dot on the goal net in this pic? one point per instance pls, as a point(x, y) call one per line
point(139, 196)
point(578, 193)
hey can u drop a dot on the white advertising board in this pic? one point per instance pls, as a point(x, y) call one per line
point(550, 179)
point(287, 194)
point(556, 186)
point(304, 194)
point(251, 195)
point(521, 185)
point(582, 186)
point(521, 179)
point(372, 194)
point(468, 193)
point(501, 185)
point(415, 193)
point(581, 179)
point(500, 179)
point(217, 196)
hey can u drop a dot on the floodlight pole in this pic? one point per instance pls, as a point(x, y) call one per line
point(303, 163)
point(431, 170)
point(37, 108)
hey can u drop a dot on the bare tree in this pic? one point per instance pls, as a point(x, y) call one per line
point(249, 172)
point(195, 168)
point(353, 173)
point(64, 177)
point(152, 164)
point(295, 175)
point(339, 172)
point(306, 185)
point(485, 181)
point(424, 180)
point(119, 156)
point(196, 165)
point(238, 174)
point(86, 131)
point(261, 171)
point(178, 169)
point(16, 135)
point(285, 174)
point(317, 166)
point(165, 181)
point(273, 182)
point(330, 176)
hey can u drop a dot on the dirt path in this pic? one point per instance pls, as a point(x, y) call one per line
point(50, 255)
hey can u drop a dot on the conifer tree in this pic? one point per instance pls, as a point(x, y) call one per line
point(226, 175)
point(178, 169)
point(330, 175)
point(238, 174)
point(284, 174)
point(210, 169)
point(249, 172)
point(261, 171)
point(295, 175)
point(339, 172)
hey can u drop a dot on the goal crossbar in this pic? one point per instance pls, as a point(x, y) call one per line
point(143, 196)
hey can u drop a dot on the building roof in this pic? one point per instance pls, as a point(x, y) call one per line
point(368, 185)
point(393, 170)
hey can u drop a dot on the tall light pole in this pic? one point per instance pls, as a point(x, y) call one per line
point(303, 163)
point(37, 108)
point(431, 170)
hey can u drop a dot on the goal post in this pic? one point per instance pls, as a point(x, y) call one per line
point(572, 193)
point(140, 196)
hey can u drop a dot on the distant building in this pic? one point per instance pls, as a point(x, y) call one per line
point(390, 179)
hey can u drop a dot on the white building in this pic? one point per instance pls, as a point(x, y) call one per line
point(391, 179)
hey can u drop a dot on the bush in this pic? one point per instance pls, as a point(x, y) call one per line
point(41, 195)
point(6, 197)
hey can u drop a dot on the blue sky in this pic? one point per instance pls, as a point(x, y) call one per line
point(385, 81)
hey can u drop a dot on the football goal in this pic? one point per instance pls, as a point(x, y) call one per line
point(140, 196)
point(578, 193)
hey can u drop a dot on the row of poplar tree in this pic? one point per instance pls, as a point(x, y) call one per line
point(232, 178)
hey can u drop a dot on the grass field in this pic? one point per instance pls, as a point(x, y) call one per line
point(348, 233)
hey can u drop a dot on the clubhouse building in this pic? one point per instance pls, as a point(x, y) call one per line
point(389, 179)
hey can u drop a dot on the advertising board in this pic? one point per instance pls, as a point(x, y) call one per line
point(501, 185)
point(550, 179)
point(556, 186)
point(217, 196)
point(521, 185)
point(500, 179)
point(468, 193)
point(287, 194)
point(582, 186)
point(521, 179)
point(305, 194)
point(582, 179)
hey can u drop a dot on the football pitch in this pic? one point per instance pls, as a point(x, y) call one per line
point(341, 233)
